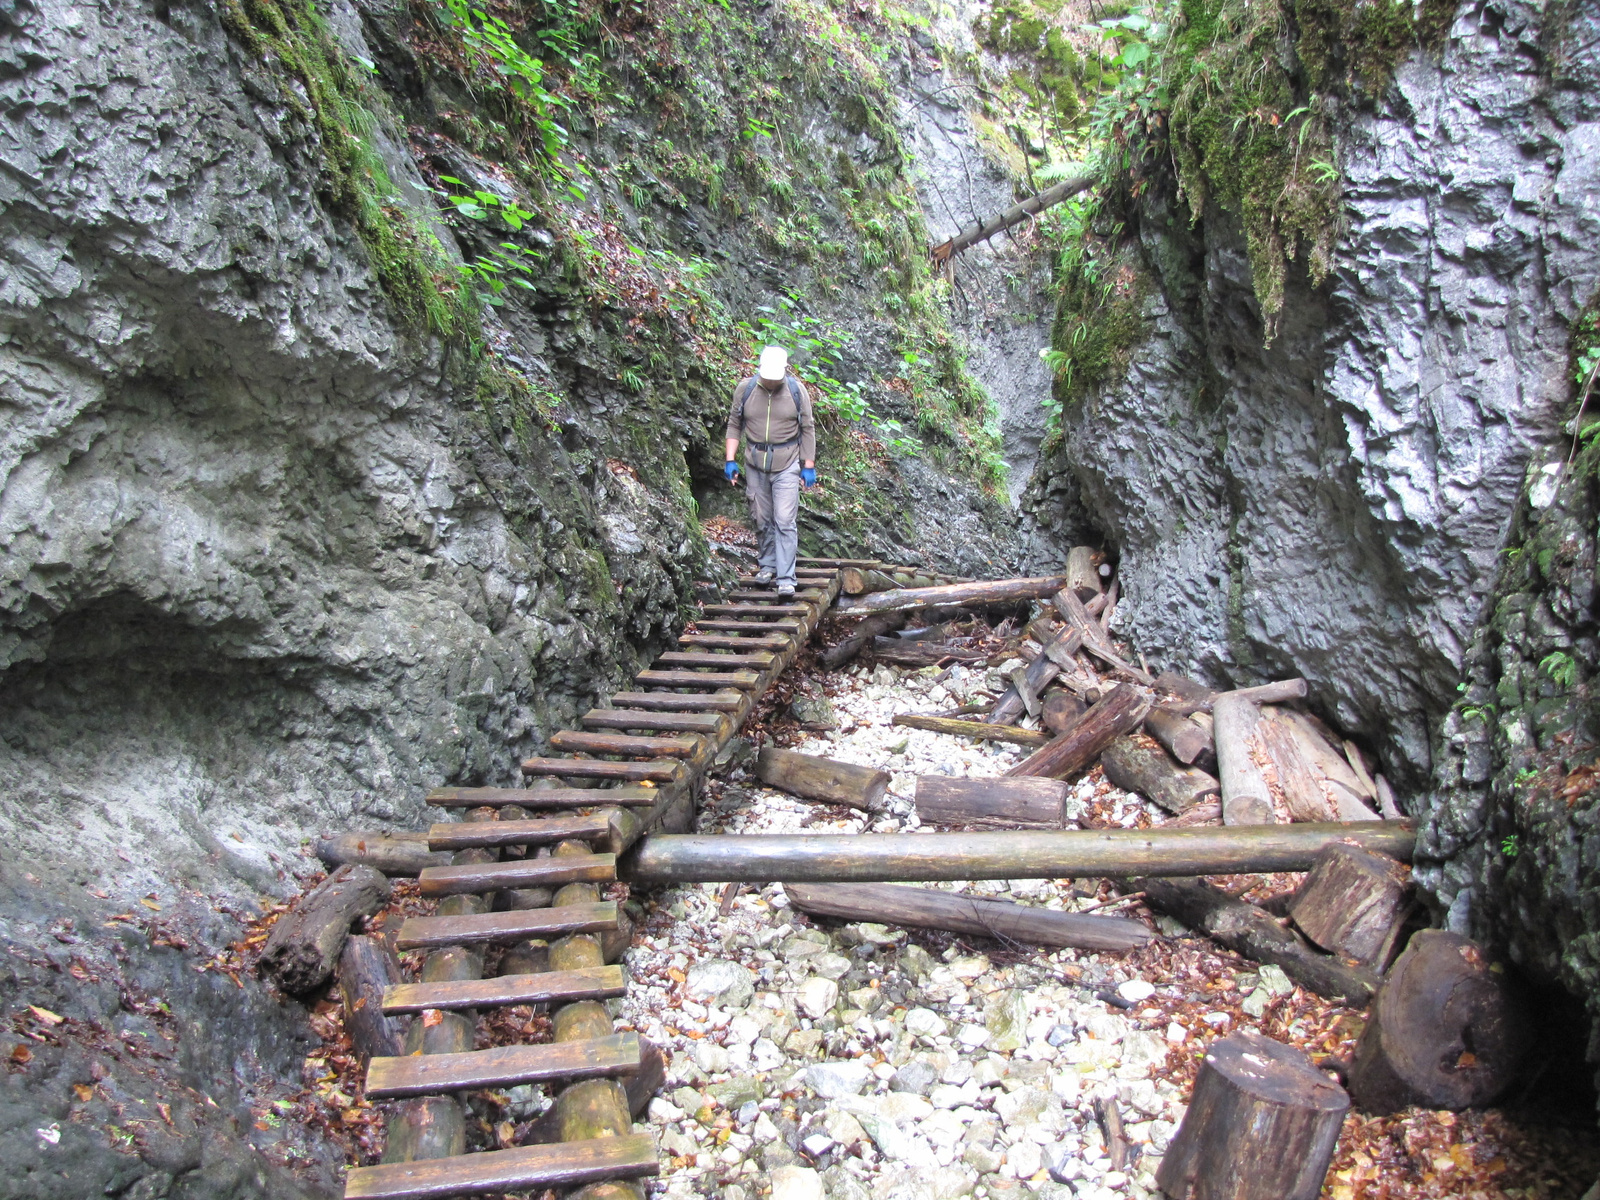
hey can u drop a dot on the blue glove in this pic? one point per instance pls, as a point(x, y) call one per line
point(731, 470)
point(808, 476)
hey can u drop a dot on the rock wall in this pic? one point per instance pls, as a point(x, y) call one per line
point(279, 550)
point(1333, 504)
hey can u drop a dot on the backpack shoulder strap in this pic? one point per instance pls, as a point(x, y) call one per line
point(744, 394)
point(795, 392)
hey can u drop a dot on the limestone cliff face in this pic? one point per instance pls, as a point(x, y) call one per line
point(1333, 505)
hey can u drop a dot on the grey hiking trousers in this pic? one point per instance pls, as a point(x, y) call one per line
point(775, 509)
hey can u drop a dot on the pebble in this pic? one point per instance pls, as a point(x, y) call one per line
point(919, 1077)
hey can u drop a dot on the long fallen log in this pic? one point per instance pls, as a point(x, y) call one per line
point(1247, 930)
point(1034, 803)
point(1015, 215)
point(822, 779)
point(1245, 797)
point(1055, 650)
point(1115, 714)
point(401, 853)
point(929, 908)
point(1139, 765)
point(981, 730)
point(959, 595)
point(860, 638)
point(305, 944)
point(922, 857)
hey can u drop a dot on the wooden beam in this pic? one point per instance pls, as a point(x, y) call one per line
point(590, 983)
point(1015, 215)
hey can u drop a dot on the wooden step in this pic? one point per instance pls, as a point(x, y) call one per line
point(471, 878)
point(707, 679)
point(762, 596)
point(420, 933)
point(523, 1169)
point(580, 741)
point(504, 1066)
point(782, 625)
point(538, 831)
point(711, 724)
point(750, 610)
point(728, 642)
point(759, 660)
point(547, 987)
point(726, 701)
point(660, 771)
point(556, 797)
point(844, 562)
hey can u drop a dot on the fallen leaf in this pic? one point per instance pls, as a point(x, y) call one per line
point(431, 1017)
point(85, 1091)
point(151, 905)
point(166, 1112)
point(45, 1015)
point(21, 1055)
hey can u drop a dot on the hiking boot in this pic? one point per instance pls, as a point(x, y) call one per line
point(765, 576)
point(786, 591)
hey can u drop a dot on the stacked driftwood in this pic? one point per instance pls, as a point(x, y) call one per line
point(1442, 1030)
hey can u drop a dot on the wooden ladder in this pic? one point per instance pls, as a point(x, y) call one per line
point(630, 767)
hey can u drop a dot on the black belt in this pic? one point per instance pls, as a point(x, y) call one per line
point(769, 447)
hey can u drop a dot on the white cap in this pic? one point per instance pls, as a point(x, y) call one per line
point(774, 364)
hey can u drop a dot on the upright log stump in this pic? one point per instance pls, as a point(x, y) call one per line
point(1262, 1125)
point(1444, 1030)
point(1352, 903)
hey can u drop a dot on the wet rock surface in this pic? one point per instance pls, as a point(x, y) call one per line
point(1333, 505)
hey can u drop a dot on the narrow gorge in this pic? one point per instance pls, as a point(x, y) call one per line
point(364, 368)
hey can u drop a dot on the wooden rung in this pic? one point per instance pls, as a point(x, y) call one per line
point(762, 596)
point(716, 679)
point(726, 642)
point(726, 701)
point(749, 610)
point(586, 983)
point(712, 724)
point(760, 659)
point(578, 741)
point(523, 1169)
point(421, 933)
point(503, 1066)
point(557, 797)
point(843, 562)
point(783, 625)
point(660, 771)
point(539, 831)
point(470, 878)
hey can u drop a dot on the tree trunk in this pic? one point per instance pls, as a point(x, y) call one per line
point(1352, 902)
point(1095, 640)
point(1301, 783)
point(1045, 667)
point(1262, 1124)
point(1073, 751)
point(930, 908)
point(1015, 215)
point(1247, 930)
point(391, 853)
point(857, 581)
point(1343, 789)
point(813, 778)
point(1061, 711)
point(1031, 803)
point(305, 944)
point(1187, 695)
point(909, 653)
point(1083, 574)
point(960, 595)
point(835, 657)
point(1444, 1033)
point(1185, 740)
point(1035, 854)
point(981, 730)
point(1245, 798)
point(1137, 764)
point(366, 968)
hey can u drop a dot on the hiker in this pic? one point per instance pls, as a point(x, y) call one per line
point(773, 410)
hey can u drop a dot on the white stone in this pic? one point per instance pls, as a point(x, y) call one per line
point(1176, 1034)
point(973, 1037)
point(718, 978)
point(797, 1183)
point(832, 1079)
point(663, 1112)
point(817, 1144)
point(831, 966)
point(1025, 1159)
point(1275, 981)
point(817, 997)
point(709, 1056)
point(1135, 990)
point(924, 1022)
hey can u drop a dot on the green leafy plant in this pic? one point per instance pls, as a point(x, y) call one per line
point(1510, 845)
point(1560, 667)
